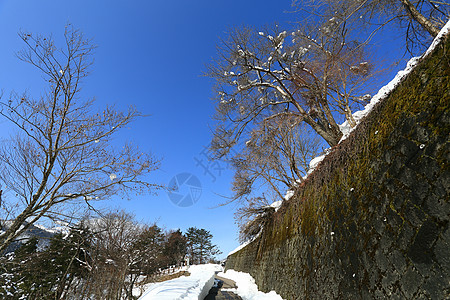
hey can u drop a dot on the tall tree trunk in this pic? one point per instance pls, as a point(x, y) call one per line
point(419, 18)
point(331, 134)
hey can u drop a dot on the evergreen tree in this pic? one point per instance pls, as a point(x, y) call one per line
point(148, 250)
point(175, 248)
point(46, 274)
point(200, 246)
point(14, 275)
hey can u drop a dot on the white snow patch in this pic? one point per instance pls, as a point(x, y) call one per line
point(277, 204)
point(315, 162)
point(196, 286)
point(288, 195)
point(246, 286)
point(64, 229)
point(444, 31)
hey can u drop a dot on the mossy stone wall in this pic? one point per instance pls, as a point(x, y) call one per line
point(373, 221)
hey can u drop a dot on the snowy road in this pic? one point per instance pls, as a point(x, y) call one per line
point(220, 294)
point(197, 285)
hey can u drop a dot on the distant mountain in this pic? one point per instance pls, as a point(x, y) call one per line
point(40, 232)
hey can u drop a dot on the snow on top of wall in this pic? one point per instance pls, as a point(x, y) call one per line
point(345, 127)
point(244, 244)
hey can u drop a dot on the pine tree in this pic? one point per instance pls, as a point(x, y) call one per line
point(200, 247)
point(175, 247)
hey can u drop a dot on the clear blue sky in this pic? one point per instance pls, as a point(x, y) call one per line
point(151, 54)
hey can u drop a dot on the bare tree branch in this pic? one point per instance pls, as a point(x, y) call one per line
point(62, 152)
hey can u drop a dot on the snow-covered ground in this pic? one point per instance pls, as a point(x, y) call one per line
point(196, 286)
point(246, 286)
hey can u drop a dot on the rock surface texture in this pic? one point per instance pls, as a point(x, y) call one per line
point(372, 222)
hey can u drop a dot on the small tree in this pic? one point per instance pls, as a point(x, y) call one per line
point(252, 217)
point(16, 280)
point(199, 244)
point(62, 153)
point(50, 273)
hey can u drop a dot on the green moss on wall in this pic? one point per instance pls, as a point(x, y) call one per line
point(376, 211)
point(425, 93)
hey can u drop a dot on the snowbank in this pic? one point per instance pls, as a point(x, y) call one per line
point(246, 287)
point(196, 286)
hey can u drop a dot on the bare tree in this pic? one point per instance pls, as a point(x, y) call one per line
point(421, 19)
point(252, 217)
point(113, 276)
point(275, 159)
point(307, 74)
point(272, 88)
point(277, 156)
point(175, 247)
point(62, 153)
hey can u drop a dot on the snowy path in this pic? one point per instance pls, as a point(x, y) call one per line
point(223, 293)
point(237, 285)
point(196, 286)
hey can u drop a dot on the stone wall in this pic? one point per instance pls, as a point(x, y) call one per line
point(372, 222)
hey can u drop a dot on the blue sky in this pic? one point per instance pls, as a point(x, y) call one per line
point(151, 54)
